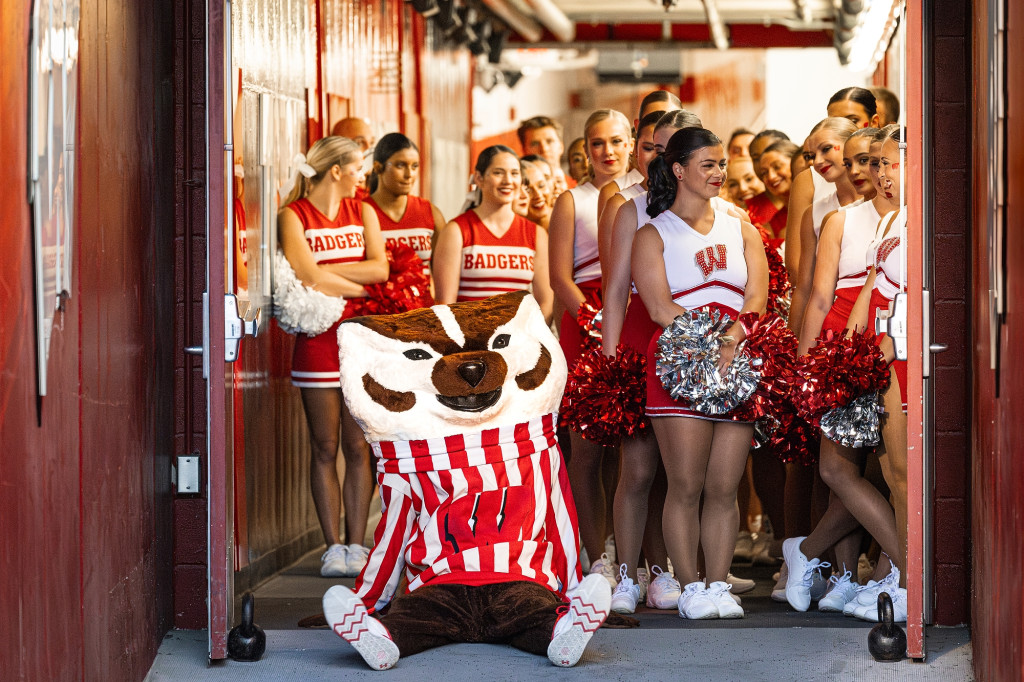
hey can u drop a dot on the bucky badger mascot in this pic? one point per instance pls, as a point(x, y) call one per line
point(458, 402)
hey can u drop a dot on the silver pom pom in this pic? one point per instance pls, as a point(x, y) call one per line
point(857, 424)
point(688, 353)
point(298, 308)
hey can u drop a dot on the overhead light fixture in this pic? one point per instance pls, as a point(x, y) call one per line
point(462, 33)
point(867, 26)
point(427, 8)
point(512, 77)
point(496, 44)
point(719, 34)
point(482, 29)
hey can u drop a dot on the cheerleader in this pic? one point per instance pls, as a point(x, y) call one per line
point(692, 256)
point(839, 276)
point(576, 279)
point(771, 207)
point(859, 107)
point(404, 218)
point(830, 159)
point(579, 167)
point(741, 183)
point(334, 244)
point(489, 250)
point(538, 190)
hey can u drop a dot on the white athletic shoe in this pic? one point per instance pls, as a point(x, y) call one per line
point(664, 591)
point(801, 574)
point(334, 561)
point(899, 607)
point(719, 593)
point(588, 608)
point(868, 593)
point(606, 568)
point(740, 585)
point(626, 595)
point(696, 604)
point(349, 619)
point(357, 556)
point(744, 547)
point(843, 590)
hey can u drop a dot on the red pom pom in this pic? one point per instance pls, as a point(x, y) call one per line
point(605, 397)
point(774, 345)
point(407, 288)
point(837, 370)
point(778, 283)
point(589, 320)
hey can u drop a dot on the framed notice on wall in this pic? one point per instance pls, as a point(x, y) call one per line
point(53, 90)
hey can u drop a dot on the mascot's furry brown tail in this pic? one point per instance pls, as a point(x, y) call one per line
point(458, 403)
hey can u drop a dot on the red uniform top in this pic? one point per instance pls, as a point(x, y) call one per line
point(333, 241)
point(492, 265)
point(473, 509)
point(415, 228)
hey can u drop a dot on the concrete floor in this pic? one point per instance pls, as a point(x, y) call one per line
point(772, 643)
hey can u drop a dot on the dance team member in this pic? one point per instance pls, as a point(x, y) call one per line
point(887, 105)
point(490, 250)
point(404, 218)
point(333, 242)
point(832, 160)
point(538, 190)
point(692, 256)
point(576, 279)
point(776, 175)
point(741, 183)
point(739, 143)
point(760, 207)
point(578, 164)
point(841, 467)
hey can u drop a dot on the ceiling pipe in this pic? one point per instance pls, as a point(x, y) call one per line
point(553, 19)
point(719, 34)
point(526, 27)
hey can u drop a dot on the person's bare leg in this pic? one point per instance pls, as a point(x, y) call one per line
point(610, 462)
point(357, 488)
point(743, 495)
point(720, 515)
point(323, 415)
point(685, 445)
point(640, 459)
point(893, 458)
point(770, 485)
point(798, 498)
point(654, 536)
point(588, 493)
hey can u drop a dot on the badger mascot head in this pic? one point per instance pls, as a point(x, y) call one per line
point(450, 369)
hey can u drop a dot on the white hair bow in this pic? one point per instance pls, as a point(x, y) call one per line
point(300, 164)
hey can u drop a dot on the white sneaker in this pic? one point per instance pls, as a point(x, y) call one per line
point(605, 567)
point(744, 547)
point(626, 595)
point(349, 619)
point(719, 592)
point(869, 597)
point(801, 572)
point(643, 579)
point(334, 561)
point(740, 585)
point(357, 556)
point(588, 608)
point(663, 592)
point(609, 548)
point(843, 590)
point(899, 607)
point(696, 604)
point(868, 593)
point(819, 585)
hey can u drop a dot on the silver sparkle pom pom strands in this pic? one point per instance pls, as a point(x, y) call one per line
point(856, 425)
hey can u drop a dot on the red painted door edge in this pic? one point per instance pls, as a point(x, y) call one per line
point(914, 70)
point(219, 497)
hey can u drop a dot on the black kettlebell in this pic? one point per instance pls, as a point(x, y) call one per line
point(247, 641)
point(887, 641)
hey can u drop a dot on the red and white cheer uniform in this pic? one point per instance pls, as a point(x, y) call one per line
point(890, 260)
point(415, 229)
point(315, 362)
point(495, 265)
point(859, 228)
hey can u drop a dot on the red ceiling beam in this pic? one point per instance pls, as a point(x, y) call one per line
point(740, 35)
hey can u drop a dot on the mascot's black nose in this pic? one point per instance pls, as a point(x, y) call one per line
point(472, 372)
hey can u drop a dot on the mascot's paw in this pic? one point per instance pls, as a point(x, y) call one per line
point(588, 608)
point(349, 619)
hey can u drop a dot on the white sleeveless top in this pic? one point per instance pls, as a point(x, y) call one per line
point(822, 207)
point(704, 269)
point(858, 233)
point(889, 257)
point(640, 203)
point(631, 178)
point(821, 186)
point(632, 191)
point(586, 264)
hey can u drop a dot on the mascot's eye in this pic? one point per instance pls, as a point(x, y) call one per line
point(417, 354)
point(501, 341)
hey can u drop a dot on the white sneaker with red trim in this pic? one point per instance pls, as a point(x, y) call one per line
point(588, 608)
point(349, 619)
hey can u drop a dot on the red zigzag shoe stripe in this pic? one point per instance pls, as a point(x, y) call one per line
point(349, 629)
point(587, 612)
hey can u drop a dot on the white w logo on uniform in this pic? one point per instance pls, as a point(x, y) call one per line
point(712, 258)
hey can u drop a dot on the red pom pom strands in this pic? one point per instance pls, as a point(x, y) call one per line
point(407, 287)
point(605, 397)
point(589, 319)
point(838, 370)
point(778, 283)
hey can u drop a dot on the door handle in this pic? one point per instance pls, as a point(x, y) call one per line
point(194, 350)
point(236, 327)
point(938, 347)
